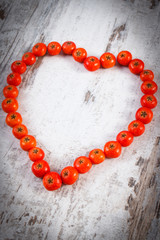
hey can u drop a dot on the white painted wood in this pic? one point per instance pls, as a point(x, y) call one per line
point(71, 111)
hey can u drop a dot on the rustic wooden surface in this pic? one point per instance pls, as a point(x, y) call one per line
point(71, 111)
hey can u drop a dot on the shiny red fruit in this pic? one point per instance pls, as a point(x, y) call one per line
point(9, 105)
point(136, 127)
point(82, 164)
point(147, 75)
point(144, 115)
point(96, 156)
point(14, 79)
point(19, 131)
point(13, 119)
point(112, 149)
point(124, 58)
point(52, 181)
point(125, 138)
point(36, 154)
point(149, 87)
point(10, 91)
point(69, 175)
point(39, 49)
point(68, 47)
point(92, 63)
point(27, 142)
point(29, 58)
point(107, 60)
point(136, 66)
point(40, 168)
point(54, 48)
point(18, 67)
point(79, 54)
point(149, 101)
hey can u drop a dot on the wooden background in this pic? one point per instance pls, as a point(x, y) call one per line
point(71, 111)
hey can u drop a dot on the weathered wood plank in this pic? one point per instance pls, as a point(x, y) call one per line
point(77, 111)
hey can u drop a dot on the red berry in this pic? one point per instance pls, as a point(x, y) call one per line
point(96, 156)
point(54, 48)
point(144, 115)
point(36, 154)
point(136, 127)
point(125, 138)
point(9, 105)
point(40, 168)
point(13, 119)
point(39, 49)
point(149, 101)
point(29, 58)
point(112, 149)
point(136, 66)
point(68, 47)
point(124, 58)
point(69, 175)
point(10, 91)
point(82, 164)
point(147, 75)
point(27, 142)
point(18, 67)
point(149, 87)
point(92, 63)
point(14, 79)
point(19, 131)
point(52, 181)
point(79, 54)
point(107, 60)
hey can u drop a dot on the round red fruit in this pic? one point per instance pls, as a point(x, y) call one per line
point(82, 164)
point(52, 181)
point(112, 149)
point(147, 75)
point(149, 101)
point(136, 127)
point(69, 175)
point(14, 79)
point(124, 58)
point(29, 58)
point(68, 47)
point(54, 48)
point(10, 91)
point(136, 66)
point(92, 63)
point(79, 54)
point(9, 105)
point(125, 138)
point(27, 142)
point(19, 131)
point(39, 49)
point(96, 156)
point(149, 87)
point(36, 154)
point(107, 60)
point(18, 67)
point(13, 119)
point(144, 115)
point(40, 168)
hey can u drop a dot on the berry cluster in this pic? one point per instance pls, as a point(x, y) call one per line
point(112, 149)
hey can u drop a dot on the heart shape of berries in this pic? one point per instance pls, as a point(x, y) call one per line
point(112, 149)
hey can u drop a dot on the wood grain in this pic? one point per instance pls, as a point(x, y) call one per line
point(71, 111)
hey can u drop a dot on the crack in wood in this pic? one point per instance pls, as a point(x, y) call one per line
point(131, 182)
point(2, 13)
point(89, 96)
point(116, 33)
point(153, 4)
